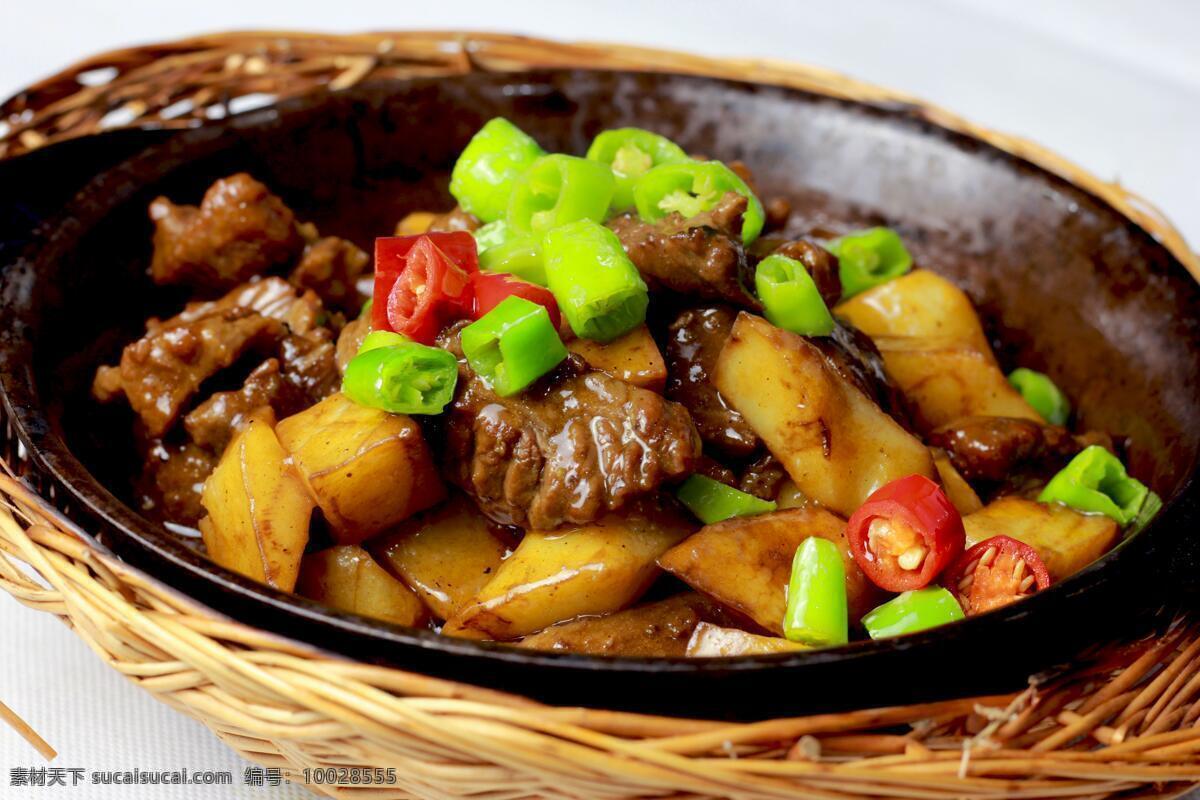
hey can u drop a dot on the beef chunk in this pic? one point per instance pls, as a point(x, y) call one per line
point(264, 323)
point(239, 230)
point(778, 212)
point(700, 257)
point(578, 444)
point(350, 339)
point(272, 297)
point(854, 356)
point(160, 372)
point(213, 423)
point(996, 448)
point(310, 364)
point(762, 477)
point(173, 479)
point(108, 386)
point(331, 267)
point(711, 468)
point(307, 354)
point(694, 342)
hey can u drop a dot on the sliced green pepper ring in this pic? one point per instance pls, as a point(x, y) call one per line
point(520, 255)
point(692, 188)
point(376, 339)
point(869, 258)
point(557, 190)
point(912, 611)
point(817, 607)
point(713, 501)
point(632, 152)
point(512, 345)
point(492, 234)
point(489, 166)
point(1095, 482)
point(597, 287)
point(790, 297)
point(404, 378)
point(1041, 393)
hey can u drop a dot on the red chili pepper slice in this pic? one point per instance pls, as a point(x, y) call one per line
point(493, 287)
point(423, 282)
point(905, 534)
point(996, 572)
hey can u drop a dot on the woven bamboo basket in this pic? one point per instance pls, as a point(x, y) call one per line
point(1124, 719)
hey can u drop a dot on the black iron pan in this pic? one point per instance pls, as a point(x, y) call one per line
point(1066, 284)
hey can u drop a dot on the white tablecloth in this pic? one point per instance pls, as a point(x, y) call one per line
point(1116, 86)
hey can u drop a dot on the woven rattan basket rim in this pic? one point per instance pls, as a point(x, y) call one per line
point(211, 70)
point(1124, 718)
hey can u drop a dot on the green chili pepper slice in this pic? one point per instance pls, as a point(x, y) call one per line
point(790, 297)
point(520, 256)
point(869, 258)
point(557, 190)
point(1041, 393)
point(488, 168)
point(1095, 482)
point(632, 152)
point(817, 612)
point(376, 339)
point(712, 501)
point(492, 234)
point(912, 611)
point(512, 345)
point(692, 188)
point(502, 249)
point(597, 287)
point(404, 378)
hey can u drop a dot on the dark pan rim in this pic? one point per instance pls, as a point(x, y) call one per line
point(50, 452)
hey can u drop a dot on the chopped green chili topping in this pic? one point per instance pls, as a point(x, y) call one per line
point(790, 297)
point(597, 287)
point(1095, 482)
point(712, 501)
point(912, 611)
point(869, 258)
point(817, 612)
point(1041, 393)
point(512, 345)
point(402, 378)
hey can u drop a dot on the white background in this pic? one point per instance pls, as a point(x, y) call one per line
point(1113, 83)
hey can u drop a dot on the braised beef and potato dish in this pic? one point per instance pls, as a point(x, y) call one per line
point(610, 404)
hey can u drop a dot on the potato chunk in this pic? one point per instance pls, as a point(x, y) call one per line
point(934, 347)
point(447, 555)
point(837, 445)
point(634, 358)
point(569, 573)
point(258, 509)
point(415, 222)
point(347, 578)
point(659, 629)
point(745, 562)
point(1066, 540)
point(790, 496)
point(958, 491)
point(710, 640)
point(367, 469)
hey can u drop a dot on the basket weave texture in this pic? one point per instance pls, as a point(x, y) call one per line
point(1123, 719)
